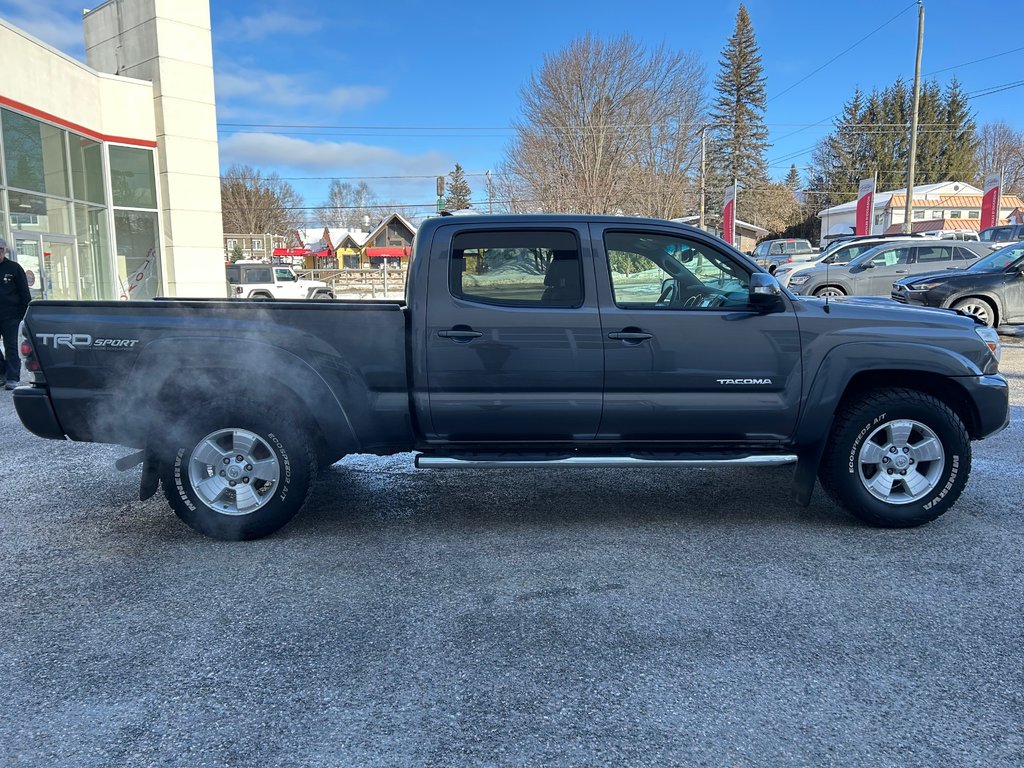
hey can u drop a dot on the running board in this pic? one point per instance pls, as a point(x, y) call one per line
point(437, 462)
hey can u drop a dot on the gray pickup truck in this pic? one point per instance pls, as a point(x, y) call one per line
point(525, 342)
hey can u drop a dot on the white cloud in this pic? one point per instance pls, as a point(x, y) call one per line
point(328, 158)
point(264, 25)
point(57, 22)
point(291, 91)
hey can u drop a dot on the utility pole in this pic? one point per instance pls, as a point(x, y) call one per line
point(490, 196)
point(703, 152)
point(908, 211)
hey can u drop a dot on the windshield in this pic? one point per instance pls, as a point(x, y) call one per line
point(999, 260)
point(844, 254)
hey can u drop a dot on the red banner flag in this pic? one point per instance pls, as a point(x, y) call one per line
point(865, 206)
point(729, 216)
point(990, 204)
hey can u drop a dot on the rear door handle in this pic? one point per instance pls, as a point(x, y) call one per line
point(902, 271)
point(453, 334)
point(630, 336)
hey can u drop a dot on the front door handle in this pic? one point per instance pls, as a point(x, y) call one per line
point(459, 334)
point(634, 336)
point(902, 271)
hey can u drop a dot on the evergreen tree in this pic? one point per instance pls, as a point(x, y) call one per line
point(873, 136)
point(740, 137)
point(459, 193)
point(960, 156)
point(793, 178)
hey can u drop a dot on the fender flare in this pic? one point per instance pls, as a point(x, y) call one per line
point(167, 358)
point(830, 382)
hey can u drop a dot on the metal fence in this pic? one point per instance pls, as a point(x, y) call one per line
point(360, 283)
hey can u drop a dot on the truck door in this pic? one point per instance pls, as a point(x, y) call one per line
point(513, 335)
point(687, 358)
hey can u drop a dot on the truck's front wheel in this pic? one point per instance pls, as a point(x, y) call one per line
point(896, 458)
point(239, 480)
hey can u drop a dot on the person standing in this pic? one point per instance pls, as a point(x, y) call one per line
point(14, 299)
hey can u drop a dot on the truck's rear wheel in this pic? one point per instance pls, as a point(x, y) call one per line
point(238, 479)
point(896, 458)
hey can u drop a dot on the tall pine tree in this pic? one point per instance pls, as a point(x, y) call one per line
point(793, 178)
point(459, 193)
point(739, 135)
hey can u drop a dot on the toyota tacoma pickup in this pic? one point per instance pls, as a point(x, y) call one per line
point(525, 342)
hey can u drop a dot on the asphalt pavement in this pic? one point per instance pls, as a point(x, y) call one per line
point(499, 618)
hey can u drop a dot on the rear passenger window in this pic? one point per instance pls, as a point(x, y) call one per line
point(524, 268)
point(933, 253)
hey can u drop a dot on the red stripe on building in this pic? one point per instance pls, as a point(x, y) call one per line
point(74, 126)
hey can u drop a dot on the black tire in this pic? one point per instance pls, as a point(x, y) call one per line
point(980, 308)
point(281, 445)
point(846, 473)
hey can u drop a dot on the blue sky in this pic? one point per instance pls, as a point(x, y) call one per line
point(419, 86)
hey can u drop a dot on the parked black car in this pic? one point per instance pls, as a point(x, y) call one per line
point(991, 289)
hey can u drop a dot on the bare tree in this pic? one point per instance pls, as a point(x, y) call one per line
point(607, 127)
point(347, 205)
point(1001, 150)
point(253, 203)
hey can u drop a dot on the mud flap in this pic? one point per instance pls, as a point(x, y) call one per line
point(150, 476)
point(806, 473)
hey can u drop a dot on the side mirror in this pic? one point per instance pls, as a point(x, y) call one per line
point(765, 292)
point(867, 265)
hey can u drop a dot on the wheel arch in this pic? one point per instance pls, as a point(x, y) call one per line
point(282, 383)
point(852, 369)
point(991, 298)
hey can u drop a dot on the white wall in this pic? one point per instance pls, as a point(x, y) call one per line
point(169, 43)
point(44, 79)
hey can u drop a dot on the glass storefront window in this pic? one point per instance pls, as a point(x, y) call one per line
point(94, 267)
point(132, 177)
point(33, 213)
point(34, 155)
point(87, 169)
point(138, 254)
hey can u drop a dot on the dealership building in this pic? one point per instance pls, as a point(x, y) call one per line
point(109, 172)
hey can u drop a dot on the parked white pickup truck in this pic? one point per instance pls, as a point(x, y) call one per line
point(261, 280)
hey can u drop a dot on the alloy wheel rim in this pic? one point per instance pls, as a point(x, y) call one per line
point(978, 310)
point(901, 462)
point(234, 471)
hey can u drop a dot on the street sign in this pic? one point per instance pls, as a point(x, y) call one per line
point(440, 186)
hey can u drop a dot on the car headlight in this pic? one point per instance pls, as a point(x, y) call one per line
point(991, 339)
point(923, 286)
point(799, 279)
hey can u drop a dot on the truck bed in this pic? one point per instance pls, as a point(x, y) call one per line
point(116, 371)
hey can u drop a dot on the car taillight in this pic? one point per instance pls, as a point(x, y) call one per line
point(28, 356)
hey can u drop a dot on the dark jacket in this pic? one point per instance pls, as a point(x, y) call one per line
point(14, 295)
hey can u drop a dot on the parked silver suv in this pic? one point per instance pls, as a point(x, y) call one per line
point(771, 253)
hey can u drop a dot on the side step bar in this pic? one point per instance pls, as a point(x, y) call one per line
point(438, 462)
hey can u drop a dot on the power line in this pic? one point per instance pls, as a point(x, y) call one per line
point(841, 53)
point(973, 61)
point(994, 89)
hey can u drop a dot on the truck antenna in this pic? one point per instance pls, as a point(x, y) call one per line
point(826, 307)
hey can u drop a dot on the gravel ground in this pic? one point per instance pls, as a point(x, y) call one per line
point(596, 617)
